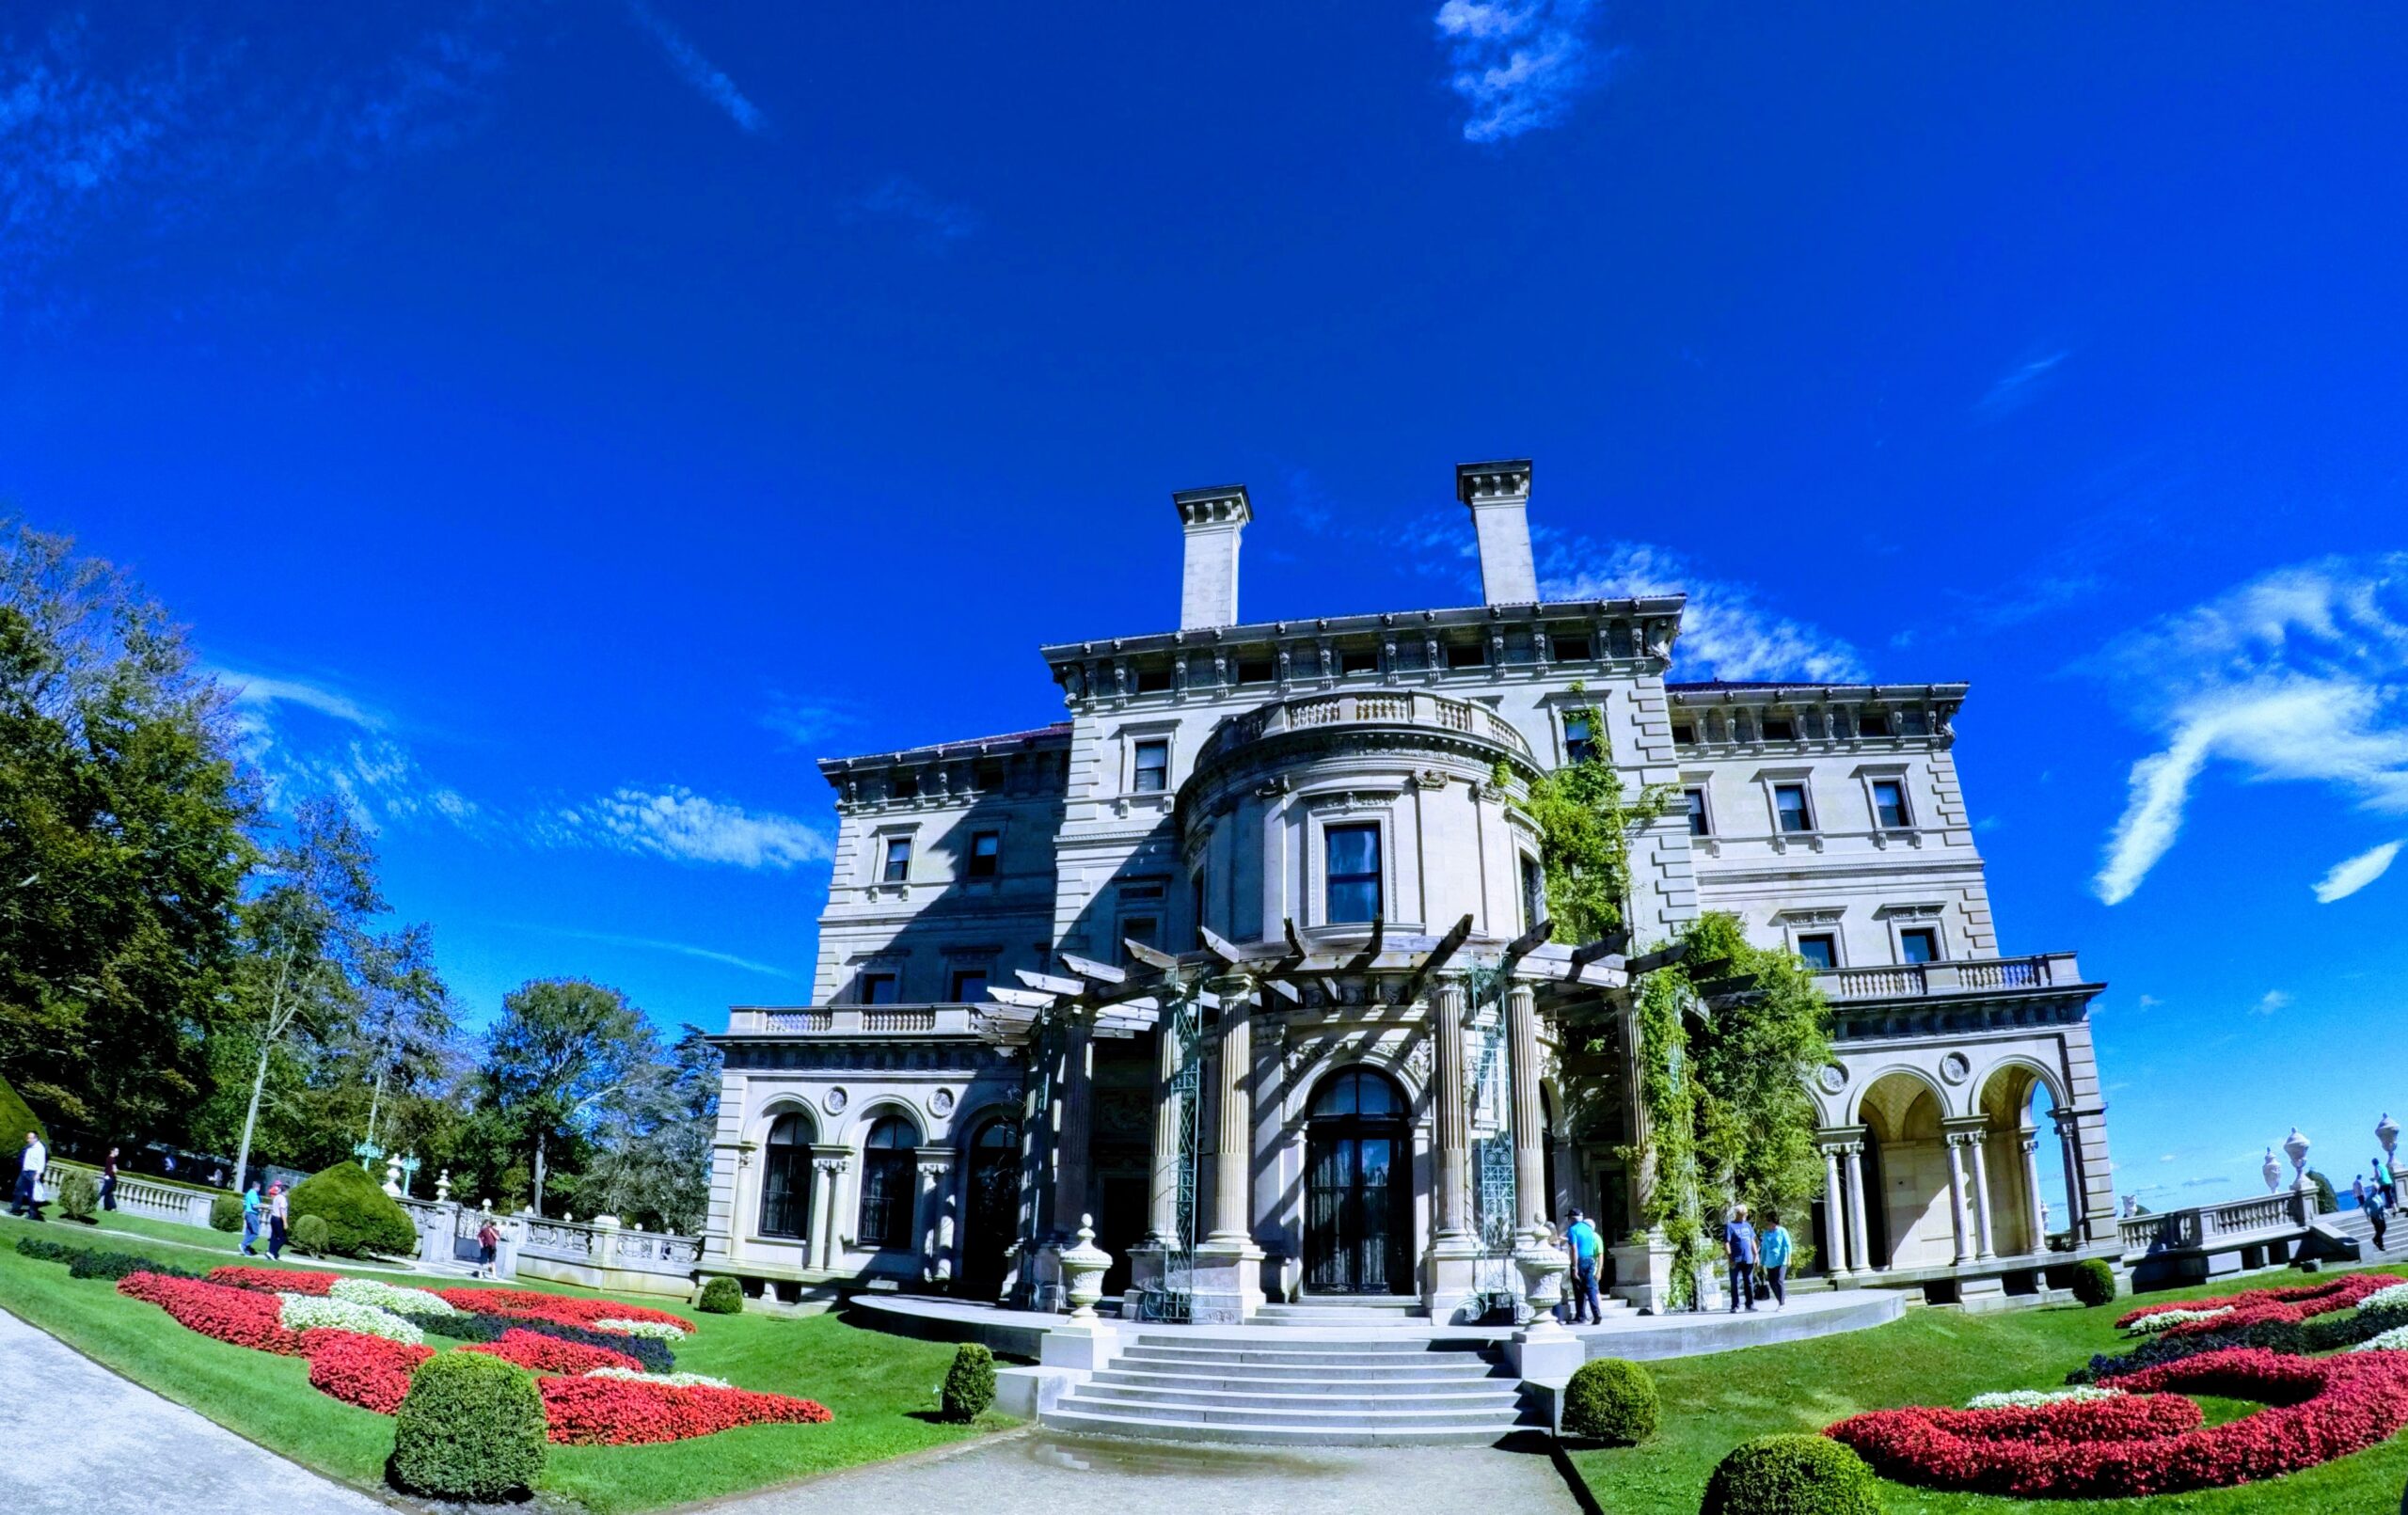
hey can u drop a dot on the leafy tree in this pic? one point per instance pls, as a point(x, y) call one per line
point(561, 1054)
point(1585, 820)
point(122, 844)
point(653, 1156)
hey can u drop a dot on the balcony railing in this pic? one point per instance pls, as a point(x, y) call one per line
point(1398, 707)
point(853, 1020)
point(2188, 1229)
point(1979, 975)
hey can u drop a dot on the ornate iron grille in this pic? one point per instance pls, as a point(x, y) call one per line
point(1494, 1201)
point(1174, 1301)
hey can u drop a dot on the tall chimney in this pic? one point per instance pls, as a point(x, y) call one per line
point(1499, 496)
point(1213, 519)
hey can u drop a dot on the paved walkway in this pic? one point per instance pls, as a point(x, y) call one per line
point(79, 1440)
point(1034, 1470)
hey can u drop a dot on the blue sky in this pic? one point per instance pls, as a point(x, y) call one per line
point(568, 421)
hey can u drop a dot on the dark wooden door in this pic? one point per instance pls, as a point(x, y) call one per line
point(1357, 1209)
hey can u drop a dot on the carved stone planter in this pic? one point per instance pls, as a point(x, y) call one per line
point(1083, 1270)
point(1542, 1270)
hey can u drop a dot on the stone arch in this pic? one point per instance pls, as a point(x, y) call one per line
point(2019, 1201)
point(863, 1117)
point(1909, 1216)
point(779, 1204)
point(1372, 1048)
point(990, 1189)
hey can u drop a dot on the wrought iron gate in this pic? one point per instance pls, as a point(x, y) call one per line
point(1174, 1299)
point(1495, 1208)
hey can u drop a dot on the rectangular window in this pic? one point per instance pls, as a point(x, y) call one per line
point(1145, 930)
point(1579, 738)
point(1533, 891)
point(879, 988)
point(1873, 723)
point(1685, 735)
point(969, 986)
point(1920, 944)
point(899, 860)
point(1789, 803)
point(985, 849)
point(1153, 680)
point(987, 776)
point(1912, 723)
point(904, 786)
point(1889, 802)
point(1699, 823)
point(1256, 669)
point(1573, 649)
point(1467, 653)
point(1350, 855)
point(1780, 729)
point(1821, 951)
point(1153, 767)
point(1363, 661)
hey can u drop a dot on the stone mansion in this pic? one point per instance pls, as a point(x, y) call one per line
point(1244, 960)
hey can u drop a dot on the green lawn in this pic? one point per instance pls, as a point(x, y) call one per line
point(1936, 1357)
point(880, 1387)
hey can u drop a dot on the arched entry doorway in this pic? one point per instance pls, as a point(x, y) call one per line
point(992, 1207)
point(1908, 1218)
point(1358, 1201)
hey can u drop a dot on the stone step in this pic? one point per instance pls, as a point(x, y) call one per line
point(1407, 1413)
point(1503, 1399)
point(1303, 1350)
point(1107, 1423)
point(1301, 1365)
point(1307, 1380)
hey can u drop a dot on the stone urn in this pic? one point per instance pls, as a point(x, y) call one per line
point(1083, 1270)
point(2273, 1172)
point(2387, 1130)
point(1542, 1265)
point(2296, 1147)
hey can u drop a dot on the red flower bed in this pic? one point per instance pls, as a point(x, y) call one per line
point(2258, 1306)
point(274, 1280)
point(2318, 1408)
point(549, 1354)
point(243, 1316)
point(560, 1308)
point(367, 1371)
point(622, 1412)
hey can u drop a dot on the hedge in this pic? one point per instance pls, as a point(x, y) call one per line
point(79, 1196)
point(1611, 1402)
point(16, 1119)
point(2094, 1281)
point(310, 1235)
point(225, 1213)
point(471, 1427)
point(721, 1296)
point(360, 1218)
point(969, 1384)
point(1791, 1475)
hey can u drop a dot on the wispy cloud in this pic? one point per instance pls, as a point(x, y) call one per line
point(2352, 875)
point(698, 70)
point(2021, 385)
point(903, 199)
point(806, 722)
point(1518, 64)
point(2298, 675)
point(2273, 1001)
point(261, 691)
point(1726, 633)
point(681, 949)
point(679, 825)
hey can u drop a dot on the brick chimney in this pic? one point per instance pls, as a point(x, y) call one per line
point(1499, 496)
point(1213, 519)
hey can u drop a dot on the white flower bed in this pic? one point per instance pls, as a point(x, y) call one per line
point(658, 1330)
point(2394, 1340)
point(306, 1312)
point(388, 1297)
point(2165, 1320)
point(2035, 1399)
point(2392, 1300)
point(676, 1380)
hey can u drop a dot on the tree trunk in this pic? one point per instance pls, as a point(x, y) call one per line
point(539, 1175)
point(250, 1117)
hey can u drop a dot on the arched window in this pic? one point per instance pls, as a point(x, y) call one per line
point(993, 1209)
point(888, 1159)
point(1359, 1092)
point(786, 1178)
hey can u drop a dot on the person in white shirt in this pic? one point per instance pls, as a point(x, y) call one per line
point(31, 1164)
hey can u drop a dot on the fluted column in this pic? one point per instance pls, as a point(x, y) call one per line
point(828, 1165)
point(1834, 1216)
point(934, 1164)
point(1859, 1244)
point(1977, 1144)
point(1162, 1200)
point(1453, 1114)
point(2036, 1212)
point(1957, 1198)
point(1530, 1116)
point(1232, 1170)
point(2071, 1143)
point(1075, 1133)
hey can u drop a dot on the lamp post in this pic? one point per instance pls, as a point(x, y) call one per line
point(409, 1170)
point(368, 1152)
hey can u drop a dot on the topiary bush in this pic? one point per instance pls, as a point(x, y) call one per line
point(723, 1296)
point(79, 1196)
point(360, 1218)
point(2094, 1281)
point(471, 1426)
point(969, 1384)
point(225, 1213)
point(1611, 1402)
point(310, 1235)
point(1791, 1475)
point(16, 1119)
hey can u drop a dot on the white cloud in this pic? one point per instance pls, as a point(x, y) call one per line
point(680, 948)
point(2296, 676)
point(680, 825)
point(1726, 634)
point(2352, 875)
point(698, 70)
point(905, 201)
point(261, 691)
point(2271, 1001)
point(2021, 385)
point(1518, 64)
point(806, 722)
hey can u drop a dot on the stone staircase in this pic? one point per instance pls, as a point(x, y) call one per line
point(1369, 1390)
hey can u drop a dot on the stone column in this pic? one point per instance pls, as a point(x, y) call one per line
point(935, 1165)
point(2036, 1212)
point(1530, 1116)
point(1071, 1156)
point(1162, 1210)
point(1834, 1216)
point(1229, 1265)
point(1957, 1198)
point(1859, 1244)
point(827, 1165)
point(1984, 1243)
point(1453, 1112)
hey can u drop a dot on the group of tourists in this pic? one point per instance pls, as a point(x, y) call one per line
point(275, 1210)
point(2376, 1198)
point(1755, 1257)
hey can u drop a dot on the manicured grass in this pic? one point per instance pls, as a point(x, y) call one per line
point(882, 1388)
point(1937, 1357)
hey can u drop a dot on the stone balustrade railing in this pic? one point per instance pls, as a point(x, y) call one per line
point(146, 1197)
point(1408, 707)
point(1979, 975)
point(608, 1246)
point(855, 1019)
point(2204, 1226)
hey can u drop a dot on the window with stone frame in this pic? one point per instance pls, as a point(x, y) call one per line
point(1151, 765)
point(889, 1161)
point(1890, 804)
point(786, 1178)
point(969, 986)
point(1533, 891)
point(1820, 950)
point(1145, 930)
point(1918, 944)
point(897, 867)
point(1781, 729)
point(880, 987)
point(1701, 819)
point(986, 852)
point(1873, 723)
point(1351, 874)
point(1791, 809)
point(1579, 737)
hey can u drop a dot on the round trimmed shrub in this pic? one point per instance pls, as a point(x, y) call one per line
point(471, 1426)
point(1791, 1475)
point(16, 1119)
point(79, 1196)
point(723, 1296)
point(310, 1236)
point(2094, 1281)
point(1611, 1402)
point(225, 1213)
point(969, 1384)
point(360, 1218)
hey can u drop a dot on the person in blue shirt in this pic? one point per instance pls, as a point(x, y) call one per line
point(1739, 1248)
point(250, 1219)
point(1773, 1246)
point(1588, 1249)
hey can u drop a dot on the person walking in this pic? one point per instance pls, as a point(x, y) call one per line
point(2382, 1180)
point(1739, 1250)
point(488, 1247)
point(31, 1164)
point(2371, 1202)
point(253, 1212)
point(1587, 1249)
point(108, 1180)
point(1773, 1246)
point(278, 1214)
